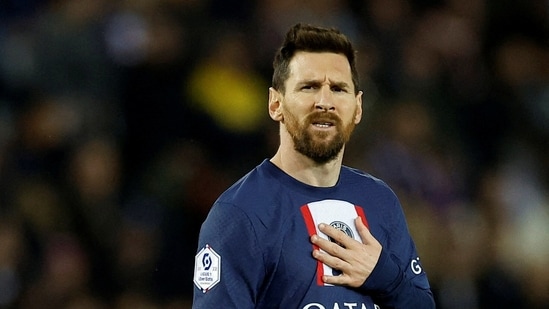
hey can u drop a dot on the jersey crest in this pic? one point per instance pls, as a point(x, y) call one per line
point(340, 215)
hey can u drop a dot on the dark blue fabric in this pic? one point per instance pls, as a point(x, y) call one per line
point(258, 230)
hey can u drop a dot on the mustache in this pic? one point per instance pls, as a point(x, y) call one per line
point(323, 117)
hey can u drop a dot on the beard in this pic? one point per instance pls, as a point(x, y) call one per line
point(317, 145)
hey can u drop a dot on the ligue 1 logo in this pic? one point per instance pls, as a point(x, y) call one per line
point(342, 226)
point(207, 269)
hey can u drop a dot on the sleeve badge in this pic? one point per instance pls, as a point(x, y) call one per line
point(207, 269)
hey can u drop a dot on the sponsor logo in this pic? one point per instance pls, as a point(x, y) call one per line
point(338, 306)
point(415, 266)
point(207, 269)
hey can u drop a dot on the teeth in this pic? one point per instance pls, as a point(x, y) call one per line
point(322, 125)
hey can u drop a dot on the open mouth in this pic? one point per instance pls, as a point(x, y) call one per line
point(323, 124)
point(323, 120)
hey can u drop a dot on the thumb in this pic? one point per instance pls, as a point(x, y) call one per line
point(363, 231)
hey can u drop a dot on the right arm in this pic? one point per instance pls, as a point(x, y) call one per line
point(228, 232)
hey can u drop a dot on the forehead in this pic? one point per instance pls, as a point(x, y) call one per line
point(320, 66)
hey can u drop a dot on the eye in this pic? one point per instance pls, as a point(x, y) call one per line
point(338, 89)
point(308, 87)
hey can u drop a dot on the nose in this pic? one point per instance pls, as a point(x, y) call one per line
point(325, 100)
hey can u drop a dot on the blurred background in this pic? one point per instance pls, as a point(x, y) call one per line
point(121, 121)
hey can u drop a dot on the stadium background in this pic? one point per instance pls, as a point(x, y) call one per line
point(121, 121)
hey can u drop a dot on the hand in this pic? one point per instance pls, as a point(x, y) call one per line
point(353, 259)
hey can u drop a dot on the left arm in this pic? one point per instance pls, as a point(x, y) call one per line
point(373, 269)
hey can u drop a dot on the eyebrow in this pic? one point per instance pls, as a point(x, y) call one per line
point(312, 82)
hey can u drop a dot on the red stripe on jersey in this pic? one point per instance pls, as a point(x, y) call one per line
point(361, 214)
point(311, 228)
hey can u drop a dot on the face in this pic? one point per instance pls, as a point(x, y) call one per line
point(319, 108)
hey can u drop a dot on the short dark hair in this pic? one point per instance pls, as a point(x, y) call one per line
point(308, 38)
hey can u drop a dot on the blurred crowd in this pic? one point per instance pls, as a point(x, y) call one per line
point(122, 120)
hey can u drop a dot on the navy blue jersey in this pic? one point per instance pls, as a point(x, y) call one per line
point(254, 249)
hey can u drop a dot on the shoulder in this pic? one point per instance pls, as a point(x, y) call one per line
point(358, 177)
point(255, 194)
point(245, 206)
point(372, 193)
point(248, 189)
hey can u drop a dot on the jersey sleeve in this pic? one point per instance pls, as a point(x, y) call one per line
point(398, 280)
point(228, 241)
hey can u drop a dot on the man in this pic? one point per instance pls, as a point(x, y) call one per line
point(301, 230)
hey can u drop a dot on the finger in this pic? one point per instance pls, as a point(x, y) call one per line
point(337, 235)
point(367, 237)
point(342, 279)
point(328, 246)
point(363, 231)
point(346, 278)
point(331, 260)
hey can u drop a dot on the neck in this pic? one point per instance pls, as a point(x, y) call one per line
point(306, 170)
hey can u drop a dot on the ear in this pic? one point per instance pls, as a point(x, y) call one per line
point(274, 105)
point(358, 114)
